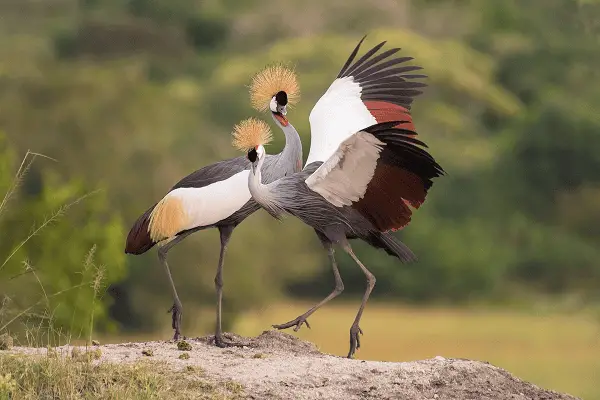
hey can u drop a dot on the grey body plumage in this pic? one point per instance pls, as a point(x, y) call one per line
point(290, 195)
point(368, 204)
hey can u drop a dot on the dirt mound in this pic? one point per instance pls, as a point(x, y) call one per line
point(278, 365)
point(274, 341)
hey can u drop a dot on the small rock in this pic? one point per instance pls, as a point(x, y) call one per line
point(184, 356)
point(184, 346)
point(439, 358)
point(148, 352)
point(6, 341)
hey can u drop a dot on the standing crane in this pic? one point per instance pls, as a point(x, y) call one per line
point(362, 190)
point(215, 196)
point(371, 90)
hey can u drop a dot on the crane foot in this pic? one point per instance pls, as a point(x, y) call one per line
point(176, 313)
point(296, 323)
point(354, 339)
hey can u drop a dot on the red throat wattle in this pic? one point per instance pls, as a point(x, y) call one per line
point(282, 120)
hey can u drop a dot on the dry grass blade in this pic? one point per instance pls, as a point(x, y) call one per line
point(53, 217)
point(26, 163)
point(43, 299)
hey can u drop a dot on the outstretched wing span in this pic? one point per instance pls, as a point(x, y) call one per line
point(375, 88)
point(380, 171)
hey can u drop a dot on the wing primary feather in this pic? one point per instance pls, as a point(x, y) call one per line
point(375, 60)
point(421, 154)
point(393, 79)
point(400, 91)
point(394, 85)
point(414, 76)
point(382, 126)
point(413, 140)
point(382, 66)
point(351, 58)
point(364, 58)
point(394, 99)
point(392, 71)
point(391, 94)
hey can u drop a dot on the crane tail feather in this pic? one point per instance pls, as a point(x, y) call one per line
point(138, 239)
point(392, 246)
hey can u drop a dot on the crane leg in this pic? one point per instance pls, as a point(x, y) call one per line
point(355, 330)
point(339, 288)
point(177, 309)
point(225, 233)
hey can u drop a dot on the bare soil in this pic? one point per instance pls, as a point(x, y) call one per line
point(276, 365)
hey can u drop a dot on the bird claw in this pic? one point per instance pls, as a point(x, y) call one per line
point(176, 320)
point(354, 340)
point(296, 323)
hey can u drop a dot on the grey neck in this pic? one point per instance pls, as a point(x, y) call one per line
point(291, 155)
point(260, 192)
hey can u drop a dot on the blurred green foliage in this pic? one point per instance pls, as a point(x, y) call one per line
point(132, 95)
point(60, 248)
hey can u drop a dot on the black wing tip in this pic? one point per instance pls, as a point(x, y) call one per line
point(351, 58)
point(382, 126)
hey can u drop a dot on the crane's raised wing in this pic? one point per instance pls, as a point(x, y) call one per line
point(373, 89)
point(380, 171)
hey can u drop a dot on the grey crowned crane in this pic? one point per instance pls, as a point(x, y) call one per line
point(360, 191)
point(215, 196)
point(335, 195)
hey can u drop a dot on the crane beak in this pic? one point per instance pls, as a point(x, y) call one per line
point(281, 118)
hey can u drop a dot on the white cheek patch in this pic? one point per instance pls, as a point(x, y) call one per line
point(273, 105)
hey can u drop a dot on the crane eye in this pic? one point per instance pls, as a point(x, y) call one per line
point(252, 155)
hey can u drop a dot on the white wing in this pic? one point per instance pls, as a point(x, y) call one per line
point(369, 91)
point(338, 114)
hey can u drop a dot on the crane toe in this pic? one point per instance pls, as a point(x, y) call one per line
point(296, 323)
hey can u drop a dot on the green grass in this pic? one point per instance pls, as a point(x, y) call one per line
point(555, 351)
point(48, 377)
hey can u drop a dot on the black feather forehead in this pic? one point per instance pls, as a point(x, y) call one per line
point(281, 98)
point(252, 155)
